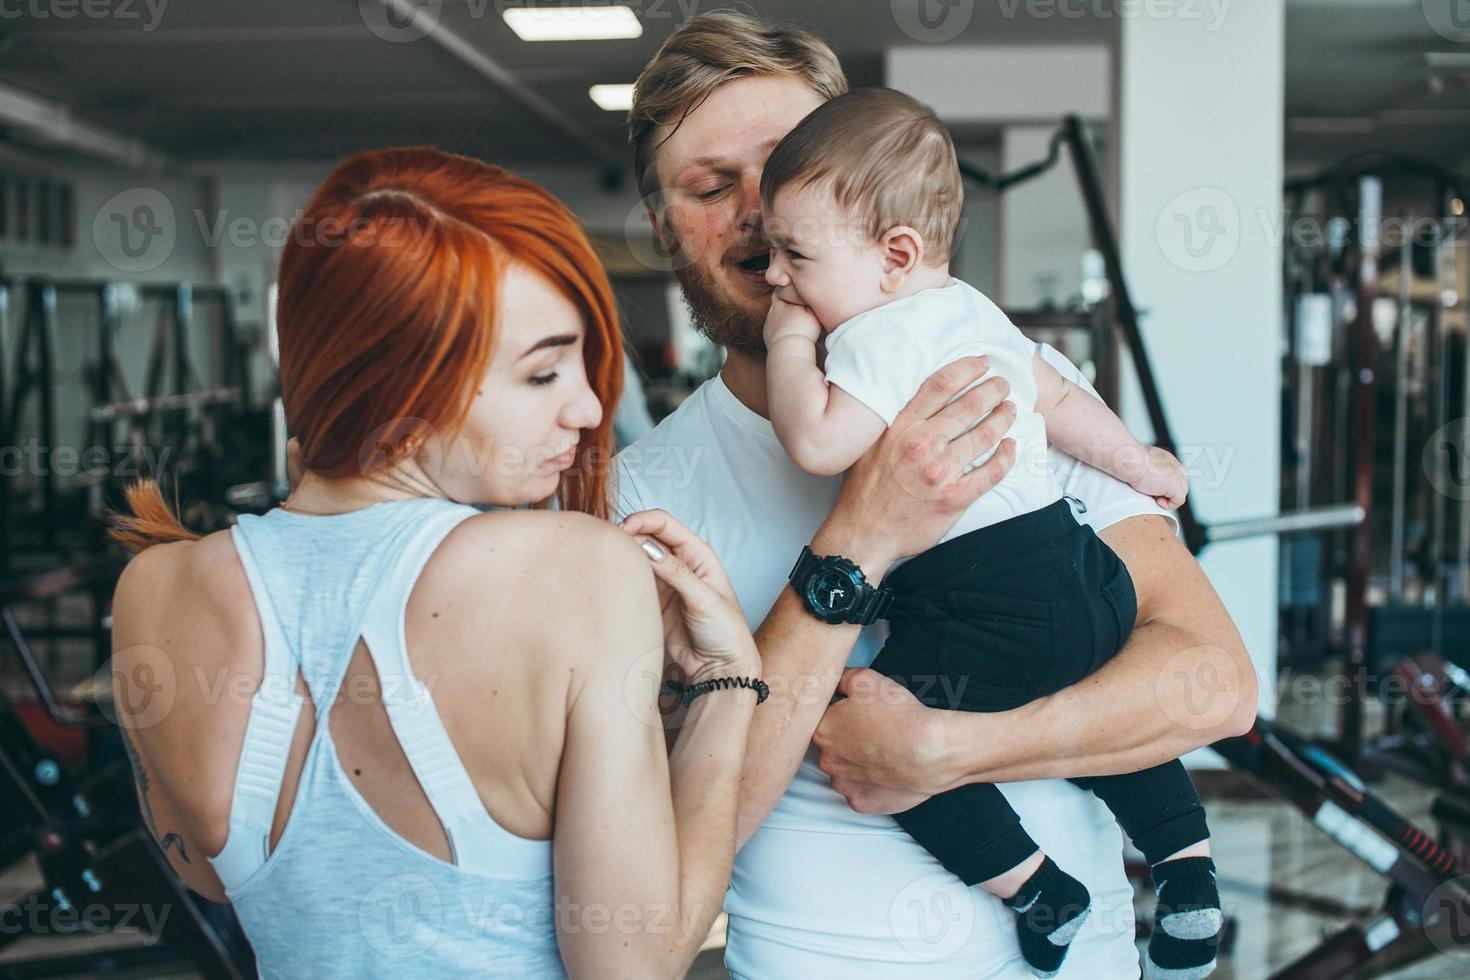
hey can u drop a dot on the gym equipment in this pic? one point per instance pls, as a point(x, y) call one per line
point(100, 867)
point(1426, 897)
point(1115, 310)
point(175, 428)
point(1427, 892)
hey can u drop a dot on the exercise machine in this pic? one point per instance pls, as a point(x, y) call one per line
point(1427, 890)
point(101, 870)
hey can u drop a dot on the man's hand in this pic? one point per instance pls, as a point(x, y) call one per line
point(790, 320)
point(880, 746)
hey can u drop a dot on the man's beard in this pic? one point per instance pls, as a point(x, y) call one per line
point(726, 324)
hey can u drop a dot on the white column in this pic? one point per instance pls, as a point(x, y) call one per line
point(1200, 170)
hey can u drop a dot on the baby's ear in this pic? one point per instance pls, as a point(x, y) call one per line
point(903, 250)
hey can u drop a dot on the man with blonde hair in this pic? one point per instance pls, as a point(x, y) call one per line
point(826, 884)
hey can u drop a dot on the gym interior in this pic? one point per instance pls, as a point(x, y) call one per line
point(1244, 221)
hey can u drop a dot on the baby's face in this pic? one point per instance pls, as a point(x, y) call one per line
point(821, 257)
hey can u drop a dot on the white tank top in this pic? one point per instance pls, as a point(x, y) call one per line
point(342, 895)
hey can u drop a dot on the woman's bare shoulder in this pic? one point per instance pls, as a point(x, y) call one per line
point(539, 574)
point(183, 573)
point(532, 543)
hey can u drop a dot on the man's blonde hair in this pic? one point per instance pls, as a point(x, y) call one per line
point(888, 159)
point(704, 53)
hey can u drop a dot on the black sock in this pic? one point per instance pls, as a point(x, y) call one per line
point(1050, 908)
point(1187, 920)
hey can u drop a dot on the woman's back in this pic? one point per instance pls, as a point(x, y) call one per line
point(345, 781)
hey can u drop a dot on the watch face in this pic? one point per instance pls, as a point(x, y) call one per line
point(832, 589)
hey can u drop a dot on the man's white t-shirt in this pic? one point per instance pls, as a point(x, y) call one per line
point(821, 891)
point(882, 356)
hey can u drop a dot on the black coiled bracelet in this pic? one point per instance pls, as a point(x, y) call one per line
point(688, 694)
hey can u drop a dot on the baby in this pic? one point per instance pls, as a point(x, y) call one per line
point(861, 202)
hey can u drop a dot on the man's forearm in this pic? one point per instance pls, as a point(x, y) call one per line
point(1110, 722)
point(802, 659)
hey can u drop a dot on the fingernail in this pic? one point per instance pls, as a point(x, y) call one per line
point(652, 550)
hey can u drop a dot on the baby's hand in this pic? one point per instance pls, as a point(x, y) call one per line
point(787, 319)
point(1163, 479)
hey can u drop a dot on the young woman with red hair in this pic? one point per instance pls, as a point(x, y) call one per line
point(400, 735)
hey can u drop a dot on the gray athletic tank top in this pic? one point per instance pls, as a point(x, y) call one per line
point(342, 895)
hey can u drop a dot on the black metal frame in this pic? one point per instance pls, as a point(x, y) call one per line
point(84, 860)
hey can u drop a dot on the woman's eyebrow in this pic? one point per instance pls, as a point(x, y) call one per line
point(559, 340)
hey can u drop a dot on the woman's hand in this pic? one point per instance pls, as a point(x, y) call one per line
point(882, 749)
point(705, 633)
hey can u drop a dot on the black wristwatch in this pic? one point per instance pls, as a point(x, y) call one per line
point(834, 590)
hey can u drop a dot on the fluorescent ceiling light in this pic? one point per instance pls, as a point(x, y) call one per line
point(573, 23)
point(613, 98)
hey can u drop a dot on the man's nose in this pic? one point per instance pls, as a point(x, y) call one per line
point(750, 205)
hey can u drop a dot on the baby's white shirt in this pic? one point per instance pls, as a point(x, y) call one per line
point(883, 356)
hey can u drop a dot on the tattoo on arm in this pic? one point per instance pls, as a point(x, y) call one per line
point(172, 840)
point(140, 774)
